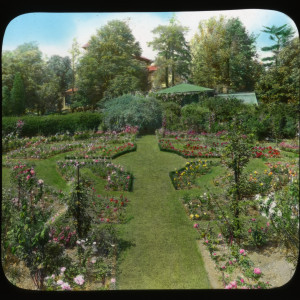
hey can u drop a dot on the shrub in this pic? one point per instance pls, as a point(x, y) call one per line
point(52, 124)
point(195, 116)
point(144, 112)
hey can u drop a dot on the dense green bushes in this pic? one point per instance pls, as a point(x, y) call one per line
point(273, 120)
point(144, 112)
point(52, 124)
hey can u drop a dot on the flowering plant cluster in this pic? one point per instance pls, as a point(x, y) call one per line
point(41, 150)
point(199, 151)
point(116, 177)
point(189, 134)
point(265, 152)
point(95, 150)
point(237, 269)
point(186, 177)
point(198, 207)
point(289, 147)
point(65, 236)
point(63, 281)
point(282, 209)
point(109, 209)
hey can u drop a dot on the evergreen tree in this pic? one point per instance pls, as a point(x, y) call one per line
point(18, 95)
point(224, 55)
point(281, 36)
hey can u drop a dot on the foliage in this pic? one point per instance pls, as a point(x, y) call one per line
point(18, 96)
point(27, 60)
point(280, 83)
point(281, 36)
point(108, 68)
point(172, 113)
point(77, 206)
point(144, 112)
point(282, 208)
point(236, 156)
point(194, 117)
point(223, 53)
point(52, 124)
point(173, 52)
point(28, 229)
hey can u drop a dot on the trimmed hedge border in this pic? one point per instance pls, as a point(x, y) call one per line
point(52, 124)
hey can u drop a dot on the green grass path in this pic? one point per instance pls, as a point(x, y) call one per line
point(163, 253)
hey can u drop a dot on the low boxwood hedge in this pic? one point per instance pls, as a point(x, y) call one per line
point(52, 124)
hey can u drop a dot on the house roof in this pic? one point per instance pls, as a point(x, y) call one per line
point(184, 88)
point(69, 91)
point(248, 98)
point(152, 68)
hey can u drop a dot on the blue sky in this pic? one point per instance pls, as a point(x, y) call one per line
point(54, 32)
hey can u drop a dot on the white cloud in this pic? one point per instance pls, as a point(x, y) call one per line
point(141, 25)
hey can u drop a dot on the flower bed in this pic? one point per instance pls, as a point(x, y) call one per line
point(289, 147)
point(94, 150)
point(265, 152)
point(40, 150)
point(185, 177)
point(48, 244)
point(116, 177)
point(189, 151)
point(270, 207)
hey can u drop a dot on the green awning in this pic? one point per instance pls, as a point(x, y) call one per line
point(248, 98)
point(184, 88)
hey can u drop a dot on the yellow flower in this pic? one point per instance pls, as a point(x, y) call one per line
point(261, 184)
point(255, 172)
point(191, 216)
point(197, 216)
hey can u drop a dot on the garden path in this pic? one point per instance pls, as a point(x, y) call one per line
point(164, 253)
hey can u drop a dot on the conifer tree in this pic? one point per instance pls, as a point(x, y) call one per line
point(281, 36)
point(18, 95)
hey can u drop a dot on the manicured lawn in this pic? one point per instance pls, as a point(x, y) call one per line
point(161, 252)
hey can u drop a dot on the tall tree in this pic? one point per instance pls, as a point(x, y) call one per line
point(282, 83)
point(173, 52)
point(280, 36)
point(18, 95)
point(224, 55)
point(60, 77)
point(27, 60)
point(75, 53)
point(109, 68)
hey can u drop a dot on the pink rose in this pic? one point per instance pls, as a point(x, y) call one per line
point(257, 271)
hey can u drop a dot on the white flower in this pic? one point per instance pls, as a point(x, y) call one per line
point(257, 196)
point(279, 213)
